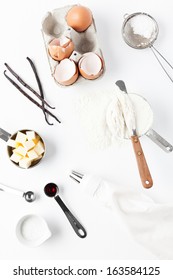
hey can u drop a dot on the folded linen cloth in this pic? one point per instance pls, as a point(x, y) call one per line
point(150, 223)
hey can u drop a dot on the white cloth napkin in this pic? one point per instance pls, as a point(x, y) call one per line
point(150, 223)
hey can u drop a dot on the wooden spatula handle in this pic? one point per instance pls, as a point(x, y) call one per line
point(144, 172)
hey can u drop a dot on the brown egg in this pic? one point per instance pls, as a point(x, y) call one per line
point(60, 48)
point(79, 18)
point(66, 72)
point(90, 66)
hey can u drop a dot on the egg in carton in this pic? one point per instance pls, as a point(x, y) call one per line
point(71, 43)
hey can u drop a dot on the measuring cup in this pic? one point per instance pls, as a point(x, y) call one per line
point(139, 31)
point(6, 136)
point(144, 122)
point(52, 190)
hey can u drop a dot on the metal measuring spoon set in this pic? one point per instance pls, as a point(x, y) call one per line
point(50, 190)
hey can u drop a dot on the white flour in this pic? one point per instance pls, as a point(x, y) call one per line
point(143, 25)
point(101, 116)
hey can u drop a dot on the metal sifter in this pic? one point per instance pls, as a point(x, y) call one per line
point(139, 31)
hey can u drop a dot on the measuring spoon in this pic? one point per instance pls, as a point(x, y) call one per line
point(4, 135)
point(52, 190)
point(28, 196)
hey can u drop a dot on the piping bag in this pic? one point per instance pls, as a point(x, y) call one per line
point(150, 223)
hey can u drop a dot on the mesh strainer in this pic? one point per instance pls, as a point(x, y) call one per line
point(139, 31)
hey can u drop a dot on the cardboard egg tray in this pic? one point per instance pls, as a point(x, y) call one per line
point(54, 25)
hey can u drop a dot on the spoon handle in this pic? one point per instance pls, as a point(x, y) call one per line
point(78, 228)
point(159, 140)
point(11, 190)
point(4, 135)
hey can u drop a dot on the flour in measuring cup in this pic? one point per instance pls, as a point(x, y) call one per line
point(128, 105)
point(101, 117)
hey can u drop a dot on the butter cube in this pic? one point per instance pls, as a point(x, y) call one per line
point(20, 150)
point(11, 143)
point(36, 140)
point(32, 155)
point(25, 162)
point(28, 145)
point(39, 148)
point(18, 144)
point(16, 157)
point(31, 135)
point(21, 137)
point(38, 157)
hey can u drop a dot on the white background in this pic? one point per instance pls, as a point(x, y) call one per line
point(67, 148)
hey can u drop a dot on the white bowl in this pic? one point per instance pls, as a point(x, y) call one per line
point(32, 230)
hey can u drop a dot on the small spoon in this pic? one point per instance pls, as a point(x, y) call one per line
point(52, 190)
point(29, 196)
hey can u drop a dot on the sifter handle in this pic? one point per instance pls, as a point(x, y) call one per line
point(159, 56)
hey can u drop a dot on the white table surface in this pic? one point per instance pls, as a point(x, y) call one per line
point(66, 146)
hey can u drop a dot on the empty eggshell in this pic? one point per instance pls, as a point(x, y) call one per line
point(79, 18)
point(60, 48)
point(90, 66)
point(66, 72)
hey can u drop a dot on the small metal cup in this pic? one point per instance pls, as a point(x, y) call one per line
point(6, 136)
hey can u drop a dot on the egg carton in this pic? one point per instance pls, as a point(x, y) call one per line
point(54, 25)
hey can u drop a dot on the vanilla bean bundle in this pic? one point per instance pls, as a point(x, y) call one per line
point(39, 96)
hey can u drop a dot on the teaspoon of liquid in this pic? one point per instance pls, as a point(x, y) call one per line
point(52, 190)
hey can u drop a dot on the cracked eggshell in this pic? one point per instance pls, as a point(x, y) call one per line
point(90, 66)
point(60, 48)
point(66, 72)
